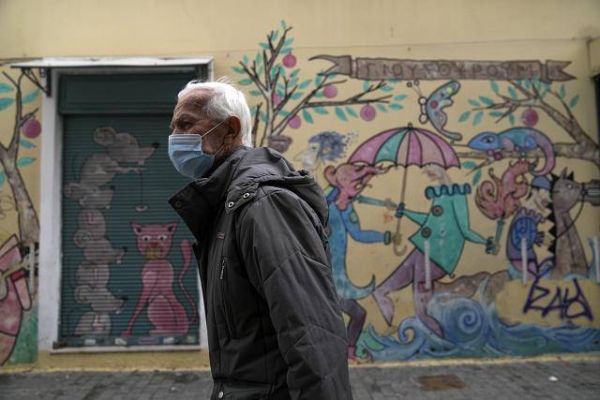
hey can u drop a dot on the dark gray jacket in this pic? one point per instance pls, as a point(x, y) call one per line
point(275, 328)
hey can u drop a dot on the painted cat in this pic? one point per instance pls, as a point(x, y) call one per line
point(164, 310)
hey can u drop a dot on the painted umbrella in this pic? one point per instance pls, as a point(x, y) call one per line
point(405, 146)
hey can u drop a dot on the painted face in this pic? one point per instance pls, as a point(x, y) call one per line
point(434, 172)
point(350, 180)
point(309, 157)
point(154, 240)
point(541, 199)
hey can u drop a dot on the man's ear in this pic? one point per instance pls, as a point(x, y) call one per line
point(234, 128)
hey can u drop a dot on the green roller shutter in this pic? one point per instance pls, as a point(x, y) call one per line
point(128, 274)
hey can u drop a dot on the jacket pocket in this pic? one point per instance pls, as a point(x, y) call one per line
point(226, 300)
point(241, 391)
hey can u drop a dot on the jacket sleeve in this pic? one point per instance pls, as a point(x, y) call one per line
point(280, 239)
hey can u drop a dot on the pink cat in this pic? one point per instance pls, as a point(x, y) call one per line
point(165, 312)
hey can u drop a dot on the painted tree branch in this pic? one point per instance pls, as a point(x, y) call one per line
point(306, 102)
point(26, 215)
point(566, 150)
point(584, 147)
point(278, 90)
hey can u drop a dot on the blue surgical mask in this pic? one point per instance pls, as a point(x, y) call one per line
point(185, 152)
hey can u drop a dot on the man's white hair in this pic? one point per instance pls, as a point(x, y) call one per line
point(225, 100)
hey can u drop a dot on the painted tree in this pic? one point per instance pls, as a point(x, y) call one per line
point(286, 101)
point(25, 127)
point(530, 97)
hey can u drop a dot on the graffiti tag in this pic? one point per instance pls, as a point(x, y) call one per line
point(542, 299)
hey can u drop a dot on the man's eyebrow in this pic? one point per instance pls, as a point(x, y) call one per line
point(178, 119)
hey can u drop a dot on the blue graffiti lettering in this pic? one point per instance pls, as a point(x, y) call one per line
point(539, 299)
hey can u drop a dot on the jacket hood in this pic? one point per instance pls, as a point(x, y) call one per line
point(236, 182)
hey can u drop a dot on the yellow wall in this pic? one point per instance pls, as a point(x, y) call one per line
point(404, 29)
point(38, 28)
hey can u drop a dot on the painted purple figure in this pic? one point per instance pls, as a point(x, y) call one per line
point(525, 227)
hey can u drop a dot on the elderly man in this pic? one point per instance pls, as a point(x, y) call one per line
point(275, 328)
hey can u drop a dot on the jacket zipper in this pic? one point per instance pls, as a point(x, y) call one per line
point(226, 301)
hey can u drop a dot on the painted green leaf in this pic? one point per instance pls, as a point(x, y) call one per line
point(275, 35)
point(527, 83)
point(474, 103)
point(464, 116)
point(31, 97)
point(284, 113)
point(258, 58)
point(400, 97)
point(511, 119)
point(27, 144)
point(469, 164)
point(562, 91)
point(304, 84)
point(574, 101)
point(381, 108)
point(2, 178)
point(283, 25)
point(351, 112)
point(307, 117)
point(318, 80)
point(237, 69)
point(245, 82)
point(288, 42)
point(4, 88)
point(340, 114)
point(296, 95)
point(292, 82)
point(495, 114)
point(477, 178)
point(387, 88)
point(285, 50)
point(486, 100)
point(321, 110)
point(263, 116)
point(395, 106)
point(6, 102)
point(255, 93)
point(245, 59)
point(260, 70)
point(264, 45)
point(494, 86)
point(24, 161)
point(477, 118)
point(513, 93)
point(365, 86)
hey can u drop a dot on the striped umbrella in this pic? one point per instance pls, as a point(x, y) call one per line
point(405, 146)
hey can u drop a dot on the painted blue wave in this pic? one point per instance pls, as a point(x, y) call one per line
point(473, 329)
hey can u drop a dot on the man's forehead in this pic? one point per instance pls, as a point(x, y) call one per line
point(192, 102)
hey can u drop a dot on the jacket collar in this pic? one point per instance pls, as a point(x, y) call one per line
point(201, 200)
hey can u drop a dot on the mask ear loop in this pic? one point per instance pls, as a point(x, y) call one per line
point(212, 129)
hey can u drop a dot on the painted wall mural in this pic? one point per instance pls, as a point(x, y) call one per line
point(19, 224)
point(498, 145)
point(128, 285)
